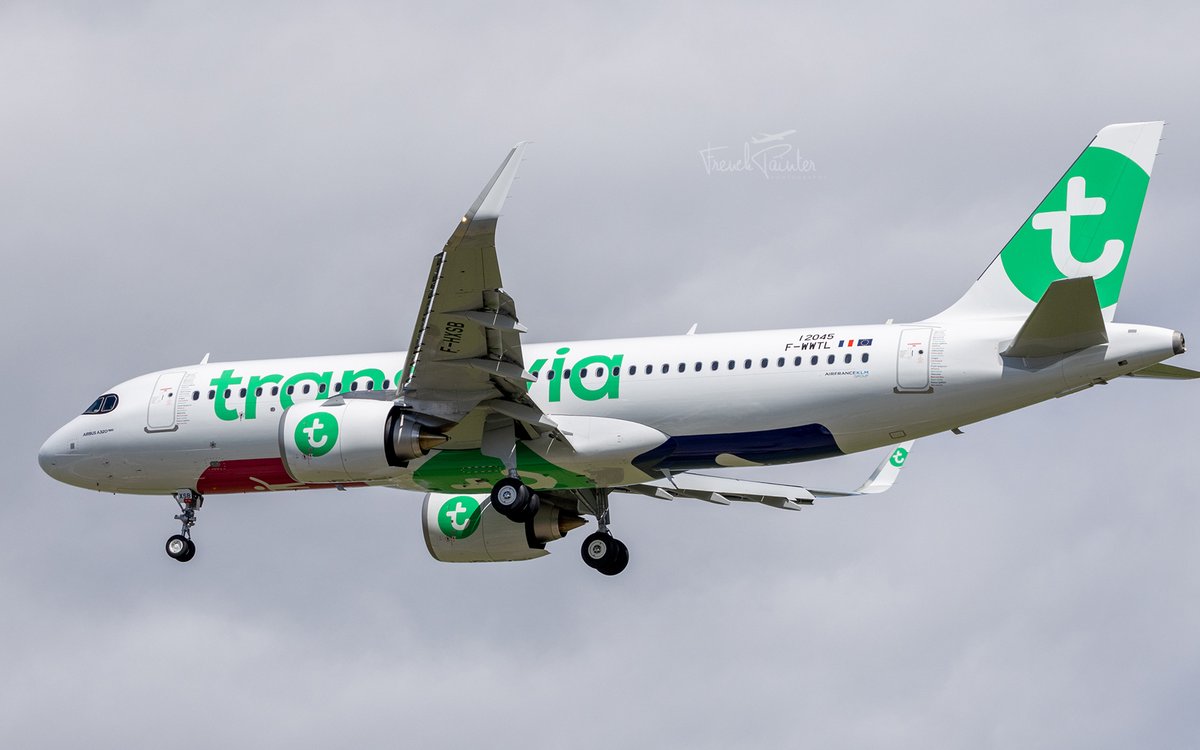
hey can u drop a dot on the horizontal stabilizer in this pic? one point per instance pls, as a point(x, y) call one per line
point(1066, 320)
point(1166, 372)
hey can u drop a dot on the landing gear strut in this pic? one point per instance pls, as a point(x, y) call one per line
point(180, 546)
point(601, 550)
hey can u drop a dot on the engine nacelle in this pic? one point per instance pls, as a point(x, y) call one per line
point(350, 440)
point(465, 528)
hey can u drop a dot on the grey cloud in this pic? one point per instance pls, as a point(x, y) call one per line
point(182, 178)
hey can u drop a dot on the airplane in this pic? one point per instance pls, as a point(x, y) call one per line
point(770, 137)
point(514, 443)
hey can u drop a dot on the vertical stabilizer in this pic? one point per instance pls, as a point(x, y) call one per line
point(1083, 227)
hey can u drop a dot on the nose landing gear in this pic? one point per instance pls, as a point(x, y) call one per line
point(180, 546)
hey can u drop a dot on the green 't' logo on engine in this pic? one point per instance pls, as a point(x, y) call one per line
point(316, 434)
point(1084, 227)
point(899, 456)
point(459, 517)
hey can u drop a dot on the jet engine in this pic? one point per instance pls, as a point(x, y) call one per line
point(350, 440)
point(465, 528)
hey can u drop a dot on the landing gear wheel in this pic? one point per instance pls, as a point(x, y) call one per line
point(513, 499)
point(180, 548)
point(602, 552)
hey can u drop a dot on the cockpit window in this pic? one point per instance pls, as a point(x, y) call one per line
point(103, 405)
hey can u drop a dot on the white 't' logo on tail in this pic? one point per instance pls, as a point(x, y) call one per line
point(1059, 224)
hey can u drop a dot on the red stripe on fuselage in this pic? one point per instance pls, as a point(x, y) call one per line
point(250, 475)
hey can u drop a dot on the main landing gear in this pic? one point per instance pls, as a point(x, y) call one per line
point(601, 550)
point(513, 499)
point(180, 546)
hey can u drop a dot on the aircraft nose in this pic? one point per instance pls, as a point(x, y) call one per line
point(54, 454)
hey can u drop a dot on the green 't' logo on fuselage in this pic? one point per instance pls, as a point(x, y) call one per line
point(459, 517)
point(1084, 227)
point(316, 434)
point(899, 456)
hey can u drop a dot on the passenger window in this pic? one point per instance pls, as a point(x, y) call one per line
point(666, 368)
point(258, 391)
point(550, 375)
point(649, 369)
point(274, 390)
point(779, 362)
point(797, 362)
point(228, 393)
point(337, 387)
point(715, 365)
point(386, 384)
point(242, 393)
point(732, 364)
point(813, 361)
point(583, 373)
point(633, 369)
point(567, 374)
point(747, 364)
point(848, 357)
point(764, 362)
point(699, 367)
point(831, 359)
point(534, 374)
point(307, 388)
point(616, 372)
point(354, 386)
point(195, 395)
point(321, 387)
point(370, 386)
point(682, 367)
point(866, 357)
point(212, 394)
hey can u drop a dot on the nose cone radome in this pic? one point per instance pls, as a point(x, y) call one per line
point(55, 456)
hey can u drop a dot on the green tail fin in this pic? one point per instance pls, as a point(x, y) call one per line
point(1083, 227)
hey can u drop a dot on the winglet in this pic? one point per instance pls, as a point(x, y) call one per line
point(487, 206)
point(885, 474)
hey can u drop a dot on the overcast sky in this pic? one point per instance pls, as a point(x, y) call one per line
point(272, 180)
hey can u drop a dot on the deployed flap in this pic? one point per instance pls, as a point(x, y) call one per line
point(1066, 320)
point(721, 490)
point(466, 346)
point(1166, 372)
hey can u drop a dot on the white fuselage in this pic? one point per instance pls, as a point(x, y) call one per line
point(644, 405)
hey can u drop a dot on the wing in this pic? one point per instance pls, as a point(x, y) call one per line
point(723, 490)
point(465, 354)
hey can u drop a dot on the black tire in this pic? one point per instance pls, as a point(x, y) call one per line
point(599, 550)
point(620, 560)
point(529, 505)
point(178, 546)
point(507, 496)
point(191, 551)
